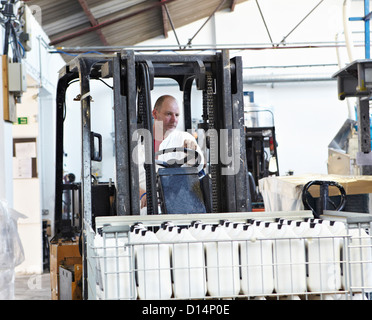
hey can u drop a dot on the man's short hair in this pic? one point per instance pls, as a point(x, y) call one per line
point(159, 102)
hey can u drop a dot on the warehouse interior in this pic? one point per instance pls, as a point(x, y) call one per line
point(293, 78)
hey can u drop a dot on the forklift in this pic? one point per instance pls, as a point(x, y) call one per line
point(225, 186)
point(260, 145)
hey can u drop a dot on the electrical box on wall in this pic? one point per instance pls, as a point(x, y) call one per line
point(16, 77)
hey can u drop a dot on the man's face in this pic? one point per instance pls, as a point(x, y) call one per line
point(168, 114)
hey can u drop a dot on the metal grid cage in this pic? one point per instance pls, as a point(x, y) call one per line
point(239, 256)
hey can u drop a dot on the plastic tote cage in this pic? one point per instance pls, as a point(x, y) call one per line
point(283, 255)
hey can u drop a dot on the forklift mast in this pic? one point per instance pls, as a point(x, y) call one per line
point(216, 75)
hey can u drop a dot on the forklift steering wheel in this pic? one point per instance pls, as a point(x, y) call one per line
point(174, 163)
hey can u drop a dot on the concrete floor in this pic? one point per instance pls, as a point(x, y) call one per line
point(32, 287)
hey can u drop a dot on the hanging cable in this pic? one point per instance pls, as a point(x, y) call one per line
point(215, 10)
point(283, 40)
point(171, 23)
point(263, 19)
point(12, 27)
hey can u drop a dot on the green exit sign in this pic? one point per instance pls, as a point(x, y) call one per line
point(22, 120)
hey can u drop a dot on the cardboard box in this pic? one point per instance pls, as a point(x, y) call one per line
point(62, 252)
point(70, 282)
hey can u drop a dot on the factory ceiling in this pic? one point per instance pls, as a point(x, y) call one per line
point(118, 23)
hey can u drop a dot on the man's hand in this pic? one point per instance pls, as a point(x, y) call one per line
point(189, 144)
point(143, 198)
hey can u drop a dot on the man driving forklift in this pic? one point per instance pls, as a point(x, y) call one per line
point(166, 114)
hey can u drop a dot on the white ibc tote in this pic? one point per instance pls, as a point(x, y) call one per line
point(114, 268)
point(289, 261)
point(222, 263)
point(323, 259)
point(232, 229)
point(256, 262)
point(153, 267)
point(360, 260)
point(188, 266)
point(306, 261)
point(166, 231)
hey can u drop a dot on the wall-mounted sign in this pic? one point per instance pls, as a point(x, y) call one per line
point(24, 158)
point(22, 120)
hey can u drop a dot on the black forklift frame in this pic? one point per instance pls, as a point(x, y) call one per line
point(256, 135)
point(133, 75)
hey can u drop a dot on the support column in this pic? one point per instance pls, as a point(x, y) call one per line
point(364, 156)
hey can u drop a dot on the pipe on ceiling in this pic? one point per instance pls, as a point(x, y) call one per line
point(285, 78)
point(347, 33)
point(267, 79)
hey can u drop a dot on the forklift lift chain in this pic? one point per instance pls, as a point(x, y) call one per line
point(212, 147)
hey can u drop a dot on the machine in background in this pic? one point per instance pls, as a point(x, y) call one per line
point(260, 145)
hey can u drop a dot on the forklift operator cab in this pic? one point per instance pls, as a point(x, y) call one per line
point(178, 170)
point(216, 76)
point(175, 188)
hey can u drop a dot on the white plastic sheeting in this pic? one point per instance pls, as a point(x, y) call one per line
point(11, 250)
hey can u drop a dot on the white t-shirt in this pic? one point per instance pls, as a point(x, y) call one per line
point(174, 140)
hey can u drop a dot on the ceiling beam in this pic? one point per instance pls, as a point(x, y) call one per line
point(164, 16)
point(165, 7)
point(106, 23)
point(93, 21)
point(232, 6)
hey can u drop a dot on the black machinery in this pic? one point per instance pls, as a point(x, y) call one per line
point(324, 202)
point(261, 148)
point(226, 188)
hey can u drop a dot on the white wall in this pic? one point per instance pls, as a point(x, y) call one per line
point(26, 191)
point(33, 195)
point(307, 114)
point(6, 149)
